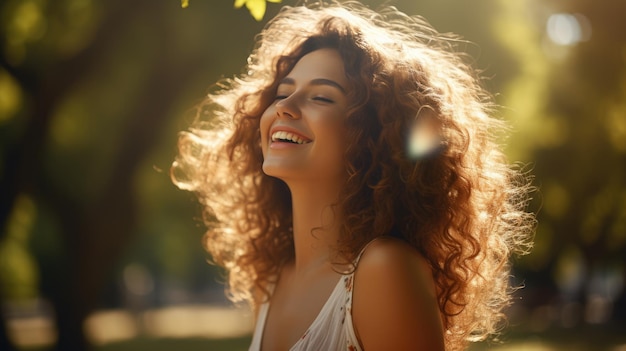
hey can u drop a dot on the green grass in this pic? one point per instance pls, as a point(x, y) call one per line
point(584, 338)
point(191, 344)
point(587, 338)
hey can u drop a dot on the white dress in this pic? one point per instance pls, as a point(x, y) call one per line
point(332, 329)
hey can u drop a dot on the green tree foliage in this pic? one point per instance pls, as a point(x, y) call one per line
point(93, 94)
point(585, 172)
point(91, 103)
point(569, 113)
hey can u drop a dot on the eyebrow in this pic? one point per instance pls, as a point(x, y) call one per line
point(317, 81)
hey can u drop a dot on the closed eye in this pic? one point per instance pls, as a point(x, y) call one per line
point(323, 99)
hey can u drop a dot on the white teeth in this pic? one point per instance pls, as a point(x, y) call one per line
point(287, 136)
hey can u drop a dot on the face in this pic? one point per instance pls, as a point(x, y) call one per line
point(302, 131)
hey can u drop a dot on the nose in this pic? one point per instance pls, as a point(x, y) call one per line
point(288, 107)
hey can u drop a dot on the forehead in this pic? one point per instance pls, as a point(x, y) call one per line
point(322, 63)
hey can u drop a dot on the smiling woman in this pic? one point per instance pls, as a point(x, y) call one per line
point(341, 229)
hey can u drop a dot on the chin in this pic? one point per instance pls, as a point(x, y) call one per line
point(278, 171)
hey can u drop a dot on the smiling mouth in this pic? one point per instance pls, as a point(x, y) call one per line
point(287, 137)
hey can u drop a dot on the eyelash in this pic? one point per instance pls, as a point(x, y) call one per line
point(324, 99)
point(318, 98)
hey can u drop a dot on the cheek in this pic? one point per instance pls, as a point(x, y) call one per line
point(335, 142)
point(335, 128)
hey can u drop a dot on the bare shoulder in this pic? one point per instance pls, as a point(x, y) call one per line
point(388, 253)
point(394, 303)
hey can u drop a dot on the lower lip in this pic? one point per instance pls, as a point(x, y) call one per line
point(277, 145)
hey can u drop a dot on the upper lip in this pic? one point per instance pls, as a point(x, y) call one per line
point(275, 129)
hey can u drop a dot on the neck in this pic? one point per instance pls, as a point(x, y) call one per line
point(315, 224)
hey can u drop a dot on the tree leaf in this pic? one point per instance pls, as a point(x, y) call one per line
point(239, 3)
point(184, 3)
point(256, 8)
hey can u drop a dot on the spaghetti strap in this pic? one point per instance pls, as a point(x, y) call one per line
point(356, 262)
point(353, 342)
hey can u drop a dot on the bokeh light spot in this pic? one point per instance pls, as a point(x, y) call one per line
point(568, 29)
point(10, 96)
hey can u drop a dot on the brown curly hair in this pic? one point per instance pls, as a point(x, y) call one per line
point(462, 208)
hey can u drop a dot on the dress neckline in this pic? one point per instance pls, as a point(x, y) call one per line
point(265, 311)
point(259, 331)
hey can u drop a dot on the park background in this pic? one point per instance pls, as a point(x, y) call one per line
point(99, 250)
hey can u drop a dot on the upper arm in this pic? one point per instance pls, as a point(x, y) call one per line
point(394, 304)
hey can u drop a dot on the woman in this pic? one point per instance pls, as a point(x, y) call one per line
point(352, 186)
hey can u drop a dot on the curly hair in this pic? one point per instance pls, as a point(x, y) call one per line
point(461, 208)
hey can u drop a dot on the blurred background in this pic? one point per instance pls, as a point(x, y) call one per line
point(99, 251)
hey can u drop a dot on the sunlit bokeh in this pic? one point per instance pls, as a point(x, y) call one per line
point(18, 270)
point(115, 325)
point(93, 96)
point(32, 332)
point(568, 29)
point(10, 96)
point(26, 24)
